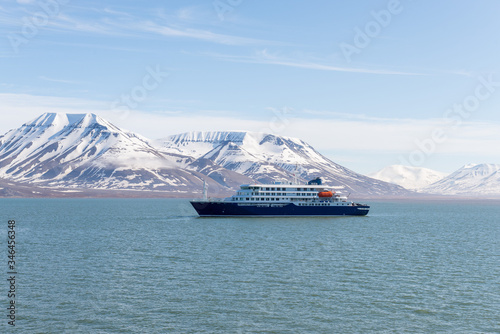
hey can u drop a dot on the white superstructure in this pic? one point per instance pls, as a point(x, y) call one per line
point(302, 195)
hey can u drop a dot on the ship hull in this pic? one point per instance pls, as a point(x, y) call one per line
point(223, 209)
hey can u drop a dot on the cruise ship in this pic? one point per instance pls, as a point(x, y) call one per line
point(281, 199)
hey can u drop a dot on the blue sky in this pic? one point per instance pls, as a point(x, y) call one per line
point(367, 83)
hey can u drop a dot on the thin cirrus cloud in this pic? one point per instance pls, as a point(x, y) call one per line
point(72, 82)
point(115, 23)
point(200, 34)
point(265, 58)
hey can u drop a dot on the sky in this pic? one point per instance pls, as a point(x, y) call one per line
point(367, 83)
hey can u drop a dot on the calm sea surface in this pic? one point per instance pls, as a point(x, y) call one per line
point(152, 266)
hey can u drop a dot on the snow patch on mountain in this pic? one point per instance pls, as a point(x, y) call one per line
point(412, 178)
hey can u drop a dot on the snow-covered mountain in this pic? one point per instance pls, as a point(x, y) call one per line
point(267, 158)
point(470, 180)
point(413, 178)
point(86, 151)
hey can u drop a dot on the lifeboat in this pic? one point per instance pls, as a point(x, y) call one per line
point(325, 194)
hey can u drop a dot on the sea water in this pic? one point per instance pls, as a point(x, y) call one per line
point(153, 266)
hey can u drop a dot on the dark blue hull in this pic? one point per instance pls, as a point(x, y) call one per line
point(211, 209)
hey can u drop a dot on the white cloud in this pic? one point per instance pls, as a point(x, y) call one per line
point(342, 133)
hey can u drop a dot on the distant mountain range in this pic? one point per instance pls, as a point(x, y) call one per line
point(472, 180)
point(412, 178)
point(84, 151)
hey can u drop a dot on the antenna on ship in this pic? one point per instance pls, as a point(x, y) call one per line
point(205, 190)
point(295, 175)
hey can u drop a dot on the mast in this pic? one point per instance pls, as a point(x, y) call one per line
point(205, 190)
